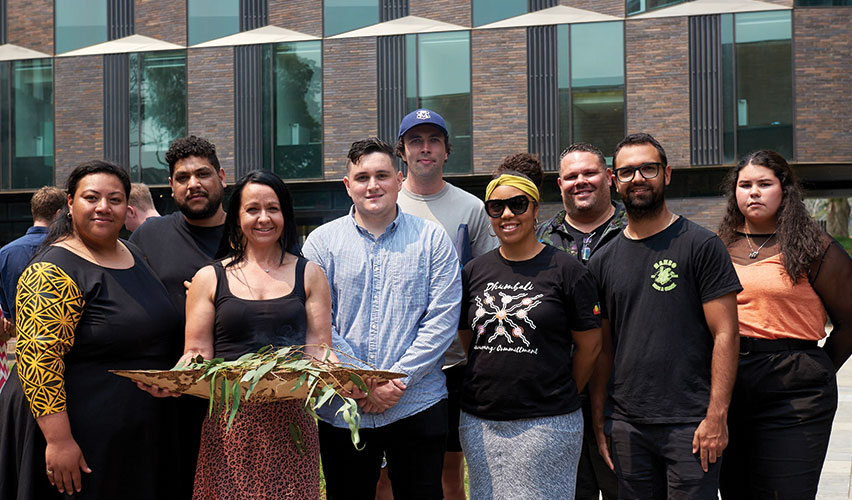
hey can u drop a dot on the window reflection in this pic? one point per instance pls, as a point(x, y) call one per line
point(591, 84)
point(293, 126)
point(346, 15)
point(157, 112)
point(438, 78)
point(79, 23)
point(489, 11)
point(211, 19)
point(27, 123)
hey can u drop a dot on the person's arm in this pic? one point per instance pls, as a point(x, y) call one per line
point(711, 436)
point(318, 309)
point(833, 284)
point(200, 315)
point(45, 294)
point(587, 348)
point(597, 391)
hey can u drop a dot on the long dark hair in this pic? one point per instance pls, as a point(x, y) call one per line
point(233, 243)
point(800, 237)
point(62, 225)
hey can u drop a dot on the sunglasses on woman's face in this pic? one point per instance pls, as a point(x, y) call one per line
point(517, 204)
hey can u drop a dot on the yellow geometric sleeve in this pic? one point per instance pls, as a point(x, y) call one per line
point(49, 305)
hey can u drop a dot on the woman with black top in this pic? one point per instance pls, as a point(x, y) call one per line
point(524, 305)
point(260, 293)
point(87, 304)
point(792, 274)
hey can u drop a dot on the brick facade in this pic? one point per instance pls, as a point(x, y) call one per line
point(499, 94)
point(79, 115)
point(30, 24)
point(704, 211)
point(448, 11)
point(610, 7)
point(822, 83)
point(349, 99)
point(657, 81)
point(210, 100)
point(162, 19)
point(304, 16)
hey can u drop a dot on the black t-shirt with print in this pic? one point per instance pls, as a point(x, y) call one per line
point(652, 291)
point(522, 314)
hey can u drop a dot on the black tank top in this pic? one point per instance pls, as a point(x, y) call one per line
point(243, 326)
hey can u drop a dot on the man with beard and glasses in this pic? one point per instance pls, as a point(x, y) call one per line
point(176, 246)
point(668, 292)
point(589, 220)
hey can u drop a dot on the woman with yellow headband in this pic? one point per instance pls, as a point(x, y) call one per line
point(525, 304)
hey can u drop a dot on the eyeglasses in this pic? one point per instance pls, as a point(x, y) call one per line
point(647, 170)
point(517, 204)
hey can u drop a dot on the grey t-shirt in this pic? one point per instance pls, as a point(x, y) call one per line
point(463, 217)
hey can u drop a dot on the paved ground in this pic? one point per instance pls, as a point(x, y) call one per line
point(836, 480)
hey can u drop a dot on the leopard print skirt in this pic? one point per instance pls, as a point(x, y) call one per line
point(257, 459)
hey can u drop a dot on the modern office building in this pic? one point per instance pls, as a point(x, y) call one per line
point(287, 85)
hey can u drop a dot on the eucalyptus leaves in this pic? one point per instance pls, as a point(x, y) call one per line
point(318, 378)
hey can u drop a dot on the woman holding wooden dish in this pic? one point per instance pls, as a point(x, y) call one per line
point(261, 293)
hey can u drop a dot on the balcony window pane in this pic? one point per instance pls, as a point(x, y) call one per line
point(764, 82)
point(346, 15)
point(443, 85)
point(297, 111)
point(211, 19)
point(79, 23)
point(157, 111)
point(31, 124)
point(489, 11)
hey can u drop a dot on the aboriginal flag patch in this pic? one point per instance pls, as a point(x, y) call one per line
point(597, 309)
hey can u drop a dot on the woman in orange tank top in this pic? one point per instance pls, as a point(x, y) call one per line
point(794, 276)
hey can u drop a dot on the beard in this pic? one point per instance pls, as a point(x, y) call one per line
point(644, 208)
point(214, 201)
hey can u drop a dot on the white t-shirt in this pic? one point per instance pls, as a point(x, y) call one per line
point(455, 209)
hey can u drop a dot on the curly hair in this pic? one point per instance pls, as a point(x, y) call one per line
point(523, 163)
point(191, 146)
point(799, 236)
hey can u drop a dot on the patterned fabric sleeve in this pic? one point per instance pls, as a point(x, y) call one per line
point(49, 305)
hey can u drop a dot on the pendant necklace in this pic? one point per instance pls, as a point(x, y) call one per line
point(753, 254)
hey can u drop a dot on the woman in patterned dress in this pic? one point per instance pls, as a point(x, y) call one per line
point(261, 293)
point(88, 303)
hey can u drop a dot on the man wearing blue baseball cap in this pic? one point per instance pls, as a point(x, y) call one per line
point(423, 143)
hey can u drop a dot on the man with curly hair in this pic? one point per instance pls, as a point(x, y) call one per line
point(179, 244)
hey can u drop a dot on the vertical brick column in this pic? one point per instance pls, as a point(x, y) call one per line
point(823, 84)
point(350, 92)
point(611, 7)
point(30, 24)
point(78, 117)
point(657, 77)
point(210, 100)
point(162, 19)
point(304, 16)
point(448, 11)
point(499, 95)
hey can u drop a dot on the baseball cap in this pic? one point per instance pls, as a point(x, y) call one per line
point(420, 117)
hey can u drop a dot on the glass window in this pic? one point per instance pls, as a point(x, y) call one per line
point(760, 75)
point(346, 15)
point(640, 6)
point(211, 19)
point(489, 11)
point(441, 76)
point(292, 121)
point(27, 123)
point(79, 23)
point(157, 112)
point(591, 84)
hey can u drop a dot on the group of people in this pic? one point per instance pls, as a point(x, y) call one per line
point(615, 349)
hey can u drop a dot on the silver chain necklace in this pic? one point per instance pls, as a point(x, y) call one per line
point(753, 254)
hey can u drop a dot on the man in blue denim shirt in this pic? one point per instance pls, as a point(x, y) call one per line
point(395, 292)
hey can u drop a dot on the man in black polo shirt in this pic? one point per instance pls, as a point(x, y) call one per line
point(668, 292)
point(179, 244)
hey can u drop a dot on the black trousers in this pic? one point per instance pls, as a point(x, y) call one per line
point(594, 477)
point(414, 447)
point(779, 425)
